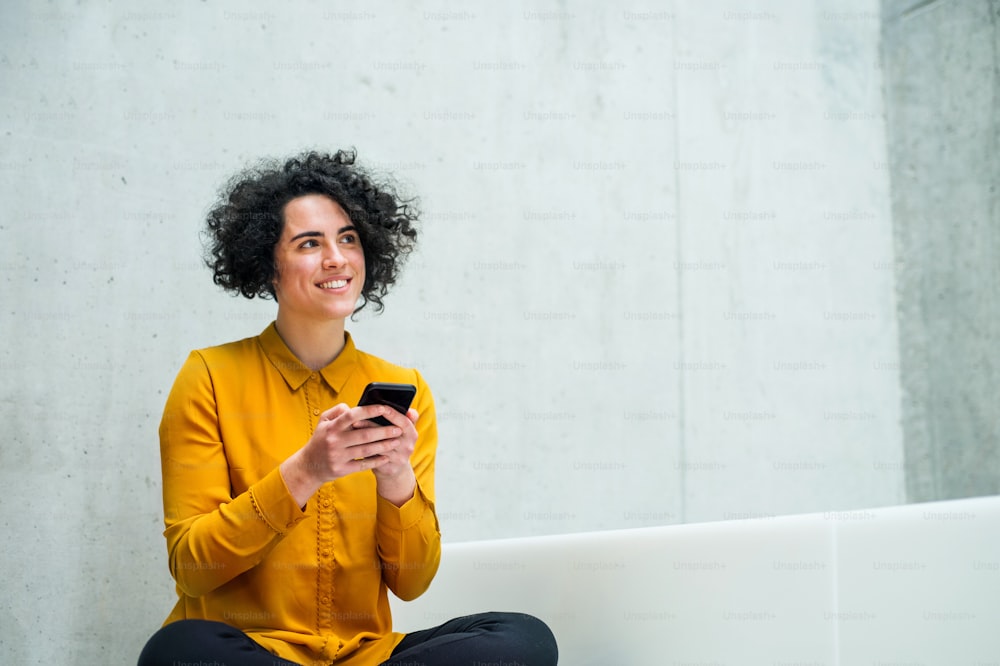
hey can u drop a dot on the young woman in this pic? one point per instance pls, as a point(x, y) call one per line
point(289, 514)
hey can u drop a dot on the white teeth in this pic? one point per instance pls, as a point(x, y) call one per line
point(333, 284)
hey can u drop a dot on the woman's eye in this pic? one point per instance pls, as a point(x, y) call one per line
point(309, 243)
point(349, 238)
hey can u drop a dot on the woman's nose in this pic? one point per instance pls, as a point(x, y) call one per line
point(333, 257)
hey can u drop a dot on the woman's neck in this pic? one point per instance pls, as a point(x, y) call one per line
point(315, 344)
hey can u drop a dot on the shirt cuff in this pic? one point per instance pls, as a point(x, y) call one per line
point(274, 503)
point(403, 517)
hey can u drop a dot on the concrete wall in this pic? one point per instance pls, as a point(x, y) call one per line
point(785, 288)
point(942, 90)
point(655, 286)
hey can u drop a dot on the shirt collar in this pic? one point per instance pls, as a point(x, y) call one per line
point(295, 372)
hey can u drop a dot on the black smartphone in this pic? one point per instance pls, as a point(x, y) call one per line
point(397, 396)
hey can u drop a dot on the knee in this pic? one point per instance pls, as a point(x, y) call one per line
point(172, 639)
point(159, 644)
point(536, 637)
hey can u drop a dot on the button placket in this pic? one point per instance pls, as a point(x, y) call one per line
point(324, 556)
point(324, 519)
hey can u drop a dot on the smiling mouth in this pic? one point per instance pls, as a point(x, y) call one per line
point(333, 284)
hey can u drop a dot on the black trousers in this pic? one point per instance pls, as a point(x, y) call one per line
point(485, 638)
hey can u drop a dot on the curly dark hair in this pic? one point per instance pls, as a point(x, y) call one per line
point(246, 223)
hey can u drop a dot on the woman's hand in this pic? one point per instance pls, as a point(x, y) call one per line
point(394, 474)
point(345, 442)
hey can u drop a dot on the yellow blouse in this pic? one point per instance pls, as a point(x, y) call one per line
point(309, 585)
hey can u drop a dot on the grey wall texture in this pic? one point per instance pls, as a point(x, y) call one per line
point(942, 70)
point(657, 280)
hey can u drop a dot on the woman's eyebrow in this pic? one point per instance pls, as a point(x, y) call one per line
point(306, 234)
point(320, 234)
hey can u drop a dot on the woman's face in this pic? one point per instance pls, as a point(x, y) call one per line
point(319, 262)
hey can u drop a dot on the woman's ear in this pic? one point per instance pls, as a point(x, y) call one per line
point(274, 280)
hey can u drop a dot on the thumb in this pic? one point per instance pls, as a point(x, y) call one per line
point(334, 412)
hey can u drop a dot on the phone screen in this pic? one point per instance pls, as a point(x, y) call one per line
point(397, 396)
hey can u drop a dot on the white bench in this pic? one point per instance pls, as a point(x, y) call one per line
point(909, 585)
